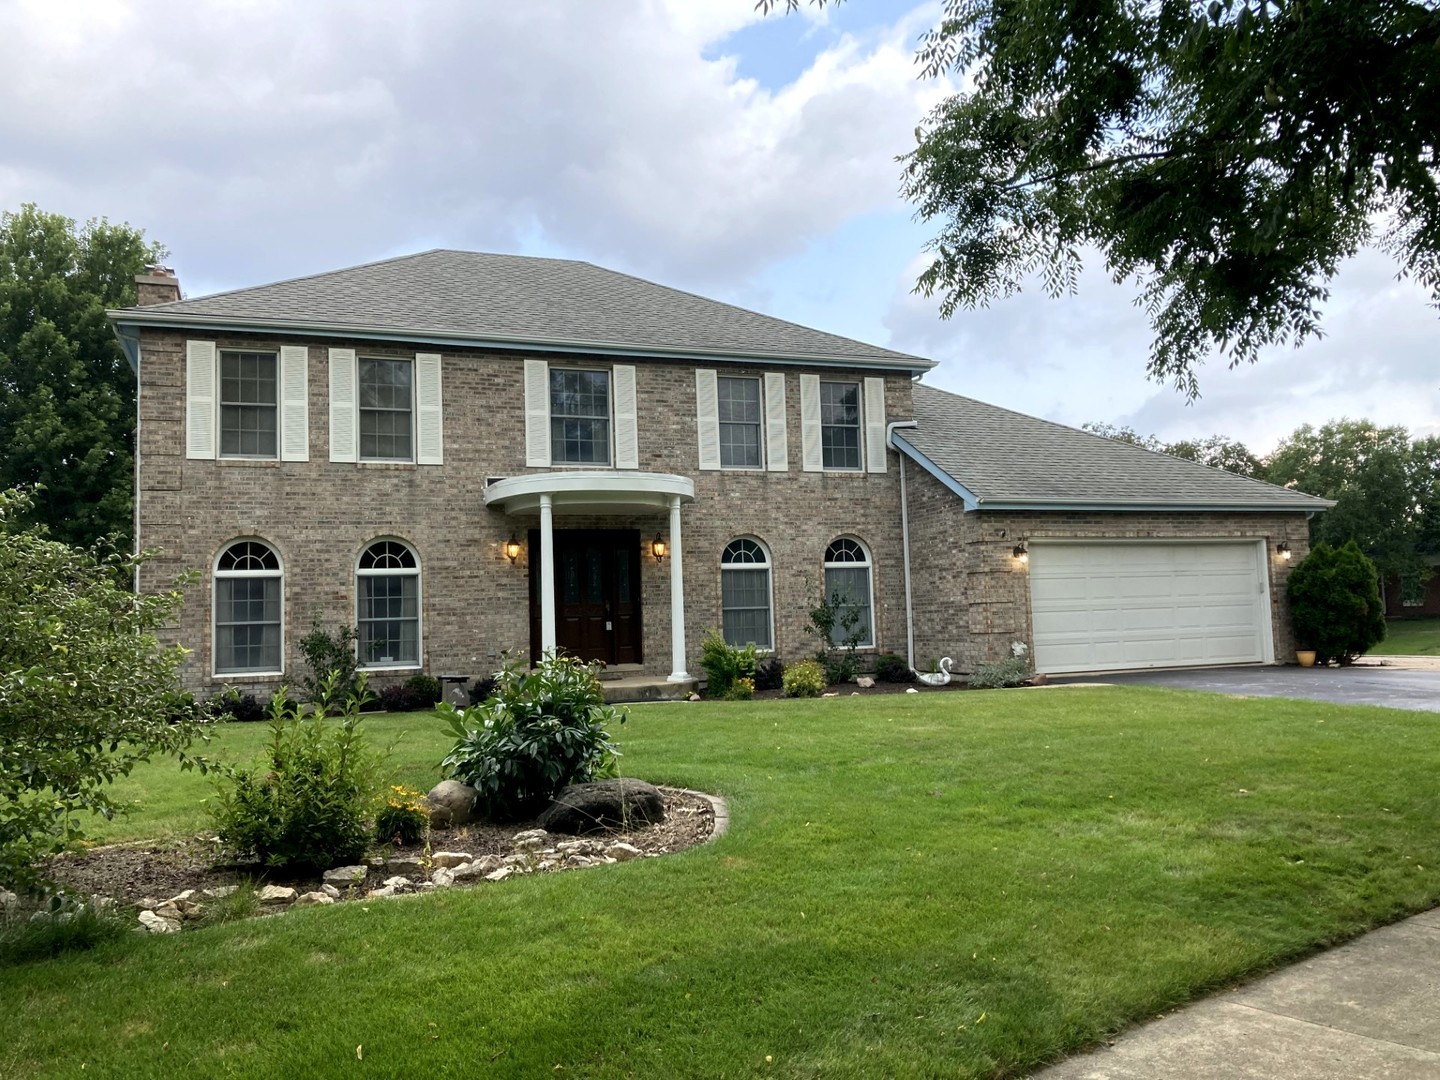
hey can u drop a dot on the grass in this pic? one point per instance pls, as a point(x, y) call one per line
point(1410, 637)
point(958, 885)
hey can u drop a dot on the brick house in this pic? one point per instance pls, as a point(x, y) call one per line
point(466, 454)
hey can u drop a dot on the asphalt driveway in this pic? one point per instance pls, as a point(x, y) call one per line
point(1361, 684)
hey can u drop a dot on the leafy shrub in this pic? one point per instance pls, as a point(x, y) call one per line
point(482, 690)
point(86, 690)
point(1013, 671)
point(426, 689)
point(741, 689)
point(836, 655)
point(541, 731)
point(234, 706)
point(403, 818)
point(326, 652)
point(805, 679)
point(308, 804)
point(416, 692)
point(893, 669)
point(63, 924)
point(1335, 604)
point(725, 664)
point(770, 675)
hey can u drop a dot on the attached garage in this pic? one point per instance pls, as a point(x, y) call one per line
point(1113, 605)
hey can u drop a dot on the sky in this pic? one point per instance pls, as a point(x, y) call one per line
point(697, 143)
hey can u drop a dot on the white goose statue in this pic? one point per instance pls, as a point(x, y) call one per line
point(936, 678)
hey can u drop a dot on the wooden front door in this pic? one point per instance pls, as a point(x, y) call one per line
point(597, 594)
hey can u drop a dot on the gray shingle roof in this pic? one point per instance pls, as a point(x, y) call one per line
point(474, 297)
point(1008, 460)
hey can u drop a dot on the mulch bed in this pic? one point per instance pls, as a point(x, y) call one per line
point(132, 872)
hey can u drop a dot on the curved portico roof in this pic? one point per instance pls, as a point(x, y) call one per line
point(589, 492)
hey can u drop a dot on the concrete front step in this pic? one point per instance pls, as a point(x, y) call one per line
point(647, 688)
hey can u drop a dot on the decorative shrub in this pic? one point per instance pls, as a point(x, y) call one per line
point(836, 624)
point(308, 804)
point(403, 818)
point(1014, 671)
point(426, 689)
point(770, 675)
point(805, 679)
point(483, 689)
point(396, 698)
point(540, 731)
point(893, 669)
point(741, 689)
point(1335, 604)
point(325, 653)
point(724, 665)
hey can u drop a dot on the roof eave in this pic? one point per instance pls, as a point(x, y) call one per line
point(1188, 507)
point(136, 318)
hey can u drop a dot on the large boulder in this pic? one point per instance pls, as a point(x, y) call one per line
point(451, 803)
point(605, 804)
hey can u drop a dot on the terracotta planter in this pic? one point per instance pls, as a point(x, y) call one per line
point(1305, 657)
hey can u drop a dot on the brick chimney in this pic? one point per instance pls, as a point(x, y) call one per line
point(158, 285)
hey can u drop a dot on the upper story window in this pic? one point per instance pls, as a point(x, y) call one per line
point(738, 412)
point(249, 404)
point(745, 610)
point(388, 605)
point(248, 625)
point(579, 416)
point(848, 587)
point(840, 425)
point(386, 409)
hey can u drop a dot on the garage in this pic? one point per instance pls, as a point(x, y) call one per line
point(1114, 605)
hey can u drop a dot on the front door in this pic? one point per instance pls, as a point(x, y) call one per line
point(597, 594)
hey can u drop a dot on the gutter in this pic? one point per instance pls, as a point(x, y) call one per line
point(890, 430)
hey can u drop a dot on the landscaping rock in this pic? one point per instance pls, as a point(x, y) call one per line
point(169, 911)
point(180, 898)
point(911, 690)
point(345, 875)
point(451, 803)
point(831, 693)
point(382, 893)
point(219, 892)
point(275, 894)
point(331, 891)
point(499, 875)
point(404, 864)
point(443, 877)
point(1038, 679)
point(450, 859)
point(310, 898)
point(583, 808)
point(865, 682)
point(622, 852)
point(693, 697)
point(478, 869)
point(399, 883)
point(531, 840)
point(157, 925)
point(8, 900)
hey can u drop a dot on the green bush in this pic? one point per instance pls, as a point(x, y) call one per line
point(308, 804)
point(1335, 604)
point(539, 732)
point(724, 665)
point(893, 669)
point(426, 689)
point(770, 675)
point(1013, 671)
point(403, 818)
point(835, 622)
point(805, 679)
point(62, 924)
point(327, 653)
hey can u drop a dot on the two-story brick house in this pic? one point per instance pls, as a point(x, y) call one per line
point(463, 453)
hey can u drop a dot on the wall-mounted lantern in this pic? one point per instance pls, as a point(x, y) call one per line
point(1283, 550)
point(658, 548)
point(1022, 553)
point(512, 549)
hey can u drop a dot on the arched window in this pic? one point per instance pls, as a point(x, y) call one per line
point(387, 594)
point(745, 594)
point(847, 586)
point(248, 623)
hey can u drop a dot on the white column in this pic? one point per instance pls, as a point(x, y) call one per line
point(677, 597)
point(547, 577)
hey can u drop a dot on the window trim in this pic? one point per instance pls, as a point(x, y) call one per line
point(859, 387)
point(360, 411)
point(417, 573)
point(760, 427)
point(868, 564)
point(609, 373)
point(216, 575)
point(769, 568)
point(220, 404)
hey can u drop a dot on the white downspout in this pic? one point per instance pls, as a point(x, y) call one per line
point(904, 538)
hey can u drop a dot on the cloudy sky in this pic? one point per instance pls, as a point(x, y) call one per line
point(693, 142)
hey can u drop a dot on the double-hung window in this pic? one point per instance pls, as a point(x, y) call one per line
point(738, 411)
point(387, 403)
point(249, 407)
point(579, 416)
point(840, 425)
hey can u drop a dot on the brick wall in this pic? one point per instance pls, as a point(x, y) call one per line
point(318, 515)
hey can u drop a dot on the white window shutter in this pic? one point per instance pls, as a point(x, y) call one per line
point(537, 413)
point(429, 431)
point(294, 403)
point(200, 377)
point(875, 425)
point(777, 445)
point(344, 406)
point(707, 418)
point(627, 434)
point(813, 457)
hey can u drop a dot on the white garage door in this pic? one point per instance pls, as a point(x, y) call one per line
point(1108, 606)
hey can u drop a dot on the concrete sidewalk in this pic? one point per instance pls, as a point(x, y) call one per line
point(1364, 1011)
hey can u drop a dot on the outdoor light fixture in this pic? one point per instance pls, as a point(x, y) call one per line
point(657, 548)
point(1022, 552)
point(1283, 550)
point(512, 548)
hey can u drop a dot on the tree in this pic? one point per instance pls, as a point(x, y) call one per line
point(1216, 451)
point(1226, 155)
point(86, 691)
point(1335, 603)
point(67, 395)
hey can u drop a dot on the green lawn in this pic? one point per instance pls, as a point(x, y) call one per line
point(923, 885)
point(1410, 637)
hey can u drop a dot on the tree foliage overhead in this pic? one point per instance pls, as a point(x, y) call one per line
point(67, 395)
point(1216, 451)
point(1227, 155)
